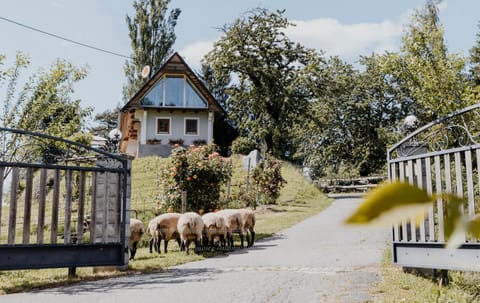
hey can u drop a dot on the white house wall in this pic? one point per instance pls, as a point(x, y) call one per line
point(177, 126)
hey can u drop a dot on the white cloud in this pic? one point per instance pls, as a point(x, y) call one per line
point(193, 53)
point(346, 40)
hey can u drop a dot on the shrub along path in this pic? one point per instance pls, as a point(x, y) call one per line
point(317, 260)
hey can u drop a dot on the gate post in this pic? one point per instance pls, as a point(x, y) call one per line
point(112, 207)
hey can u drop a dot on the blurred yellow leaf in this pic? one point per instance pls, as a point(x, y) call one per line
point(455, 222)
point(473, 226)
point(391, 203)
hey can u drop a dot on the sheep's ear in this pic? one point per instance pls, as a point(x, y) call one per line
point(390, 203)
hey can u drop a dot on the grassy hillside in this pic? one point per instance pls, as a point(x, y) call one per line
point(298, 200)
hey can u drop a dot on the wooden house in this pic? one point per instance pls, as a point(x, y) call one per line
point(172, 107)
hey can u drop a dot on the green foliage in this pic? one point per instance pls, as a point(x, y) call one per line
point(243, 145)
point(200, 171)
point(269, 96)
point(152, 35)
point(355, 116)
point(350, 122)
point(267, 180)
point(42, 105)
point(432, 76)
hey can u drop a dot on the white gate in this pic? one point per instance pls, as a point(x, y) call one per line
point(441, 157)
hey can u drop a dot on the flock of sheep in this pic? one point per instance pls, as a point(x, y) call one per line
point(214, 229)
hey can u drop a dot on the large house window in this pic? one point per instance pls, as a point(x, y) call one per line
point(173, 91)
point(191, 126)
point(155, 96)
point(163, 126)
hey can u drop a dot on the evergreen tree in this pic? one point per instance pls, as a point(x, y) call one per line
point(152, 35)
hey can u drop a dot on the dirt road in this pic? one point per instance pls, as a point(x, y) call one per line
point(318, 260)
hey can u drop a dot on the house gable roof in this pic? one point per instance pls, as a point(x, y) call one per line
point(174, 65)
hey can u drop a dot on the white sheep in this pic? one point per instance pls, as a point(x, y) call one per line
point(163, 227)
point(136, 232)
point(214, 226)
point(248, 220)
point(234, 223)
point(190, 227)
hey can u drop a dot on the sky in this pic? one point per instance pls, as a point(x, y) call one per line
point(347, 28)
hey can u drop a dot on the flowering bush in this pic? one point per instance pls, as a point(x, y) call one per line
point(267, 180)
point(200, 171)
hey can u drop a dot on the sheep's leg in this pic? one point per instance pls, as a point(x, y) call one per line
point(187, 244)
point(197, 243)
point(151, 244)
point(179, 244)
point(222, 241)
point(155, 244)
point(206, 241)
point(253, 237)
point(230, 240)
point(247, 234)
point(165, 245)
point(241, 240)
point(133, 250)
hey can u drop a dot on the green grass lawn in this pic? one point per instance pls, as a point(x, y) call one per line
point(399, 286)
point(298, 201)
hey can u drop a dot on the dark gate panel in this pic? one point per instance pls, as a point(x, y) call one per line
point(50, 187)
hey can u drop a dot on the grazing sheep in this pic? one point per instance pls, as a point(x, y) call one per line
point(136, 232)
point(163, 227)
point(248, 220)
point(234, 223)
point(214, 226)
point(190, 227)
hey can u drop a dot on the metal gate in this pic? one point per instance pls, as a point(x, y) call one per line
point(49, 188)
point(441, 157)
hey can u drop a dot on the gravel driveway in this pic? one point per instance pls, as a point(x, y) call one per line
point(317, 260)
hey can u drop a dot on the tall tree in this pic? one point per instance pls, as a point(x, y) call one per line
point(433, 76)
point(152, 35)
point(268, 96)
